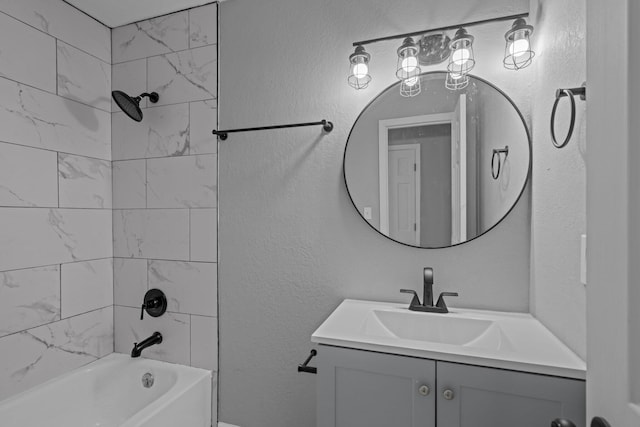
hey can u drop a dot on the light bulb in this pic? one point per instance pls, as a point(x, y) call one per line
point(460, 56)
point(519, 47)
point(360, 70)
point(409, 64)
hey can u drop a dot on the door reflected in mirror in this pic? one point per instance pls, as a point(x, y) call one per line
point(419, 169)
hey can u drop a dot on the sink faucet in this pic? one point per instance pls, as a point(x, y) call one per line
point(156, 338)
point(427, 298)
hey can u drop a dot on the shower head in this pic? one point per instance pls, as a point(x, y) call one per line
point(131, 106)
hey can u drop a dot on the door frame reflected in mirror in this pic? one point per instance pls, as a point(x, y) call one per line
point(458, 170)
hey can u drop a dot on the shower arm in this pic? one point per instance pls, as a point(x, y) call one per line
point(153, 96)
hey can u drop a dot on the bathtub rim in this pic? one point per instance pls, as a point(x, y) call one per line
point(187, 375)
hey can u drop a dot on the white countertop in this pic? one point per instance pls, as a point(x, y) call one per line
point(515, 341)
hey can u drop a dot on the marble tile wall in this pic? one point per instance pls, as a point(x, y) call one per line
point(165, 186)
point(56, 248)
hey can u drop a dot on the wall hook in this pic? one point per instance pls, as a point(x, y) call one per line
point(570, 93)
point(495, 172)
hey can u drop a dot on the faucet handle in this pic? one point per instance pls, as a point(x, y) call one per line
point(154, 303)
point(441, 302)
point(415, 300)
point(428, 275)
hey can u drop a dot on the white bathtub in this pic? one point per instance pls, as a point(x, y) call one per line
point(110, 393)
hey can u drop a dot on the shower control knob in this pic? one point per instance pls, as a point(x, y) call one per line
point(424, 390)
point(448, 394)
point(154, 303)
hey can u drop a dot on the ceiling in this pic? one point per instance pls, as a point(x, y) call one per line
point(114, 13)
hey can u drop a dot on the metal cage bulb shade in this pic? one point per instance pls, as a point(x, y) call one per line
point(462, 58)
point(359, 77)
point(411, 86)
point(131, 105)
point(517, 52)
point(408, 66)
point(456, 81)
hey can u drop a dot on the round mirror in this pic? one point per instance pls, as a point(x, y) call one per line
point(440, 168)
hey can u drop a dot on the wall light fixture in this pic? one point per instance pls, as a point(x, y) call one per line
point(408, 67)
point(359, 76)
point(517, 52)
point(462, 59)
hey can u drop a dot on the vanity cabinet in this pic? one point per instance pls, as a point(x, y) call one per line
point(367, 389)
point(358, 388)
point(498, 398)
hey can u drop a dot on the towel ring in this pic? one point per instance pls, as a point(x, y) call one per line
point(570, 93)
point(496, 154)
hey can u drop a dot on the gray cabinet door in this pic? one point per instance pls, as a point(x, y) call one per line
point(485, 397)
point(365, 389)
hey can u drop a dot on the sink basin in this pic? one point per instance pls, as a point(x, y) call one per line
point(515, 341)
point(435, 328)
point(426, 326)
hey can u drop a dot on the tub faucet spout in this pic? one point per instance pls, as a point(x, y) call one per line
point(156, 338)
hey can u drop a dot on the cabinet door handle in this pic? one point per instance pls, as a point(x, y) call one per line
point(448, 394)
point(424, 390)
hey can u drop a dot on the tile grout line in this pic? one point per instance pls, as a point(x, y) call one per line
point(168, 53)
point(55, 321)
point(146, 79)
point(141, 259)
point(70, 208)
point(217, 222)
point(58, 176)
point(53, 93)
point(168, 311)
point(189, 29)
point(146, 185)
point(57, 151)
point(164, 157)
point(167, 14)
point(87, 15)
point(63, 263)
point(57, 69)
point(60, 278)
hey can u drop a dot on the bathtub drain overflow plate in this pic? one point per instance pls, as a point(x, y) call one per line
point(147, 380)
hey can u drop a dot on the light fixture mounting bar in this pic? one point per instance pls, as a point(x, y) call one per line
point(439, 29)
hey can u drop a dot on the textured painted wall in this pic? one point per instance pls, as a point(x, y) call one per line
point(164, 187)
point(292, 246)
point(56, 288)
point(559, 183)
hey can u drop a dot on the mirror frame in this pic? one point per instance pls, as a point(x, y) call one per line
point(394, 86)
